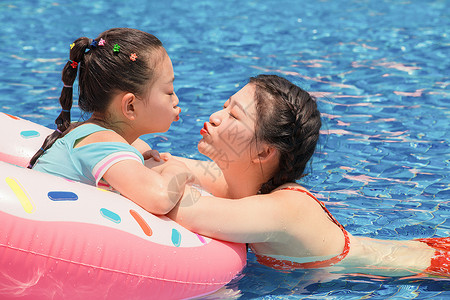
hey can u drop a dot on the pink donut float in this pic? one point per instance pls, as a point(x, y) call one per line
point(67, 240)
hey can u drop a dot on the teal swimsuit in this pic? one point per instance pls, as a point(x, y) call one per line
point(87, 163)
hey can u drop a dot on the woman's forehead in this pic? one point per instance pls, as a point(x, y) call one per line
point(245, 98)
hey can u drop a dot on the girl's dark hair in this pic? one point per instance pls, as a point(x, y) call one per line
point(119, 59)
point(289, 120)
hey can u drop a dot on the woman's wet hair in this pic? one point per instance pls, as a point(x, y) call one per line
point(118, 60)
point(288, 119)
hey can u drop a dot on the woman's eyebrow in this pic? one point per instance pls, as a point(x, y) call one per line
point(237, 104)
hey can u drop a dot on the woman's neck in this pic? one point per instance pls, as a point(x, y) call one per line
point(241, 183)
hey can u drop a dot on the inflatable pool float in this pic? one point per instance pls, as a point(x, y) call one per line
point(67, 240)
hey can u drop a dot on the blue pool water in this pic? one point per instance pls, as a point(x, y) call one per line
point(380, 70)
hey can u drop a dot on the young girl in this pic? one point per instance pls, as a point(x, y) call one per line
point(261, 142)
point(126, 82)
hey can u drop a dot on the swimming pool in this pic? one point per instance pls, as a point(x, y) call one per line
point(380, 70)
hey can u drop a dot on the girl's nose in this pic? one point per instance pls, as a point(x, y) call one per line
point(175, 99)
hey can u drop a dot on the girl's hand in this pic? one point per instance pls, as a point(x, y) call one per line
point(156, 155)
point(151, 154)
point(173, 166)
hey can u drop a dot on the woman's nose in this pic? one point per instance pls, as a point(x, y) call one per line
point(214, 119)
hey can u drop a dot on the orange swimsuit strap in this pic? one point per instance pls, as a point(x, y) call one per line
point(290, 265)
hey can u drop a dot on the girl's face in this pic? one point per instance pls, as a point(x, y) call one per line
point(228, 137)
point(159, 106)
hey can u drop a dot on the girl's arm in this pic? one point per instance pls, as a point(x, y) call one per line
point(141, 146)
point(155, 191)
point(146, 150)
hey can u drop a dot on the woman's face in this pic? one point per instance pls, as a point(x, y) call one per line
point(228, 137)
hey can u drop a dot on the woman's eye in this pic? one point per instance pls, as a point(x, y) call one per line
point(231, 115)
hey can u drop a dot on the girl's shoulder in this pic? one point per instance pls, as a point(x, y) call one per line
point(89, 133)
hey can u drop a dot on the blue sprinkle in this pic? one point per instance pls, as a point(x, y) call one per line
point(62, 196)
point(176, 238)
point(28, 134)
point(106, 213)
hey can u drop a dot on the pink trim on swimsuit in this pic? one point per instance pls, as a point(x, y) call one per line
point(290, 265)
point(102, 166)
point(111, 160)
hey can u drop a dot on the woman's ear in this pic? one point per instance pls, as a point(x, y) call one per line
point(266, 154)
point(128, 106)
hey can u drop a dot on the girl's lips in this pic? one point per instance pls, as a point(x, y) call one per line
point(177, 117)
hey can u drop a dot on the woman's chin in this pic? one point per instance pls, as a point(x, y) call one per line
point(201, 146)
point(206, 149)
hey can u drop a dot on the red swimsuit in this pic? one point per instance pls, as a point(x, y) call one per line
point(440, 263)
point(290, 265)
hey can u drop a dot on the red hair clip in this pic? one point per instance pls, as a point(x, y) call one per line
point(133, 56)
point(73, 64)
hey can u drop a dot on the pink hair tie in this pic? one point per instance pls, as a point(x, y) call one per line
point(67, 86)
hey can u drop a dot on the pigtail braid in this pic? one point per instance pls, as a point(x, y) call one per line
point(69, 74)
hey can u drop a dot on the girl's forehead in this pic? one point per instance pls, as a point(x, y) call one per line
point(165, 67)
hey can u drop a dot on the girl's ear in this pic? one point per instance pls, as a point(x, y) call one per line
point(128, 106)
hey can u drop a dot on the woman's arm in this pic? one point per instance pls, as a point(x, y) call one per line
point(288, 222)
point(248, 220)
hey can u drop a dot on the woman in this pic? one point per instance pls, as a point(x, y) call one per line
point(261, 141)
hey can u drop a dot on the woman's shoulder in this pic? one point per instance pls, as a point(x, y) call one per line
point(290, 186)
point(295, 197)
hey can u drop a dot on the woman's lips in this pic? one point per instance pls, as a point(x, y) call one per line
point(204, 130)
